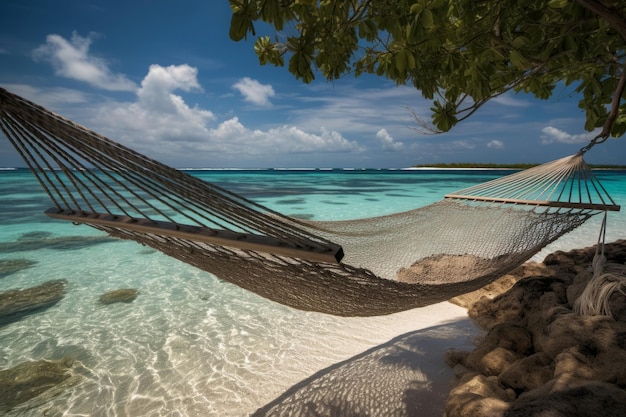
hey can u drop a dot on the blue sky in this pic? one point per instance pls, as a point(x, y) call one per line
point(165, 79)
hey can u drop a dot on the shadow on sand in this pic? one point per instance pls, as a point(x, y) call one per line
point(405, 377)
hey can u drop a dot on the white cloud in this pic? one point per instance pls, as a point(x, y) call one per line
point(158, 113)
point(255, 92)
point(71, 59)
point(234, 138)
point(495, 144)
point(388, 142)
point(358, 110)
point(161, 124)
point(156, 88)
point(458, 145)
point(510, 101)
point(552, 134)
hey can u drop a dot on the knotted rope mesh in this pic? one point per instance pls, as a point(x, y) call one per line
point(391, 263)
point(493, 226)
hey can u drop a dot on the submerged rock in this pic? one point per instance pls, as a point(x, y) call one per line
point(40, 240)
point(32, 236)
point(122, 295)
point(16, 303)
point(29, 380)
point(10, 266)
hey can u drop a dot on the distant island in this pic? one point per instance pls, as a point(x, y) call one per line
point(466, 165)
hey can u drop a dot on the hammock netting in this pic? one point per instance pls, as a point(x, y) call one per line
point(361, 267)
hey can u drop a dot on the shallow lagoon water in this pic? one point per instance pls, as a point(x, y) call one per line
point(191, 345)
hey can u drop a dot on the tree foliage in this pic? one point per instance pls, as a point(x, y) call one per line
point(457, 53)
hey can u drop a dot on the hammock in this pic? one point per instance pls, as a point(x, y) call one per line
point(359, 267)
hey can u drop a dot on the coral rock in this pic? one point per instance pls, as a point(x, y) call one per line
point(122, 295)
point(14, 303)
point(28, 380)
point(528, 373)
point(478, 396)
point(589, 400)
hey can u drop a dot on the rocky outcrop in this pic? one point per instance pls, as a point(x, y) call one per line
point(122, 295)
point(504, 283)
point(539, 357)
point(45, 240)
point(29, 380)
point(10, 266)
point(16, 303)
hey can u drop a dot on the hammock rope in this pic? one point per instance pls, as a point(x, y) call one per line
point(360, 267)
point(607, 279)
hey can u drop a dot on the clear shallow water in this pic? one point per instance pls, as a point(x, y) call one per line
point(191, 345)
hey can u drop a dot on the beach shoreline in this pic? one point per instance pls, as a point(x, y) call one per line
point(448, 369)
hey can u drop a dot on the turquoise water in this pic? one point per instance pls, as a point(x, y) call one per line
point(191, 345)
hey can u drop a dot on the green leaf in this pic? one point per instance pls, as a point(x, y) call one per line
point(557, 4)
point(400, 60)
point(444, 117)
point(236, 6)
point(300, 66)
point(426, 18)
point(416, 8)
point(517, 59)
point(520, 41)
point(267, 52)
point(239, 24)
point(411, 63)
point(451, 47)
point(364, 30)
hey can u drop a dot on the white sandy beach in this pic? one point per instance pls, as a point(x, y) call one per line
point(405, 375)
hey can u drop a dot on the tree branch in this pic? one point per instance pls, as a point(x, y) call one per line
point(608, 13)
point(614, 112)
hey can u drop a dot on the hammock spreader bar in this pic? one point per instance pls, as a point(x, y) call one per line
point(218, 237)
point(558, 204)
